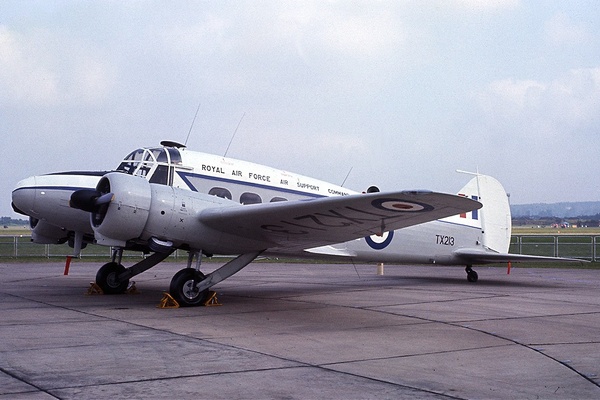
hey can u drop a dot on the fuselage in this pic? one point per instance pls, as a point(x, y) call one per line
point(45, 199)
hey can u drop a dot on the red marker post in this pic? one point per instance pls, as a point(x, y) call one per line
point(68, 265)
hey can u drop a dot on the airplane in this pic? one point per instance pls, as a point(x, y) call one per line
point(160, 199)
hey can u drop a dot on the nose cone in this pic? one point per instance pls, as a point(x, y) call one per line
point(23, 196)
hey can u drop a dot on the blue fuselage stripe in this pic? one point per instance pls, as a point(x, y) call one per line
point(71, 188)
point(185, 177)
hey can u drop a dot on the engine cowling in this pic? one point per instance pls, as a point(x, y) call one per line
point(124, 217)
point(45, 233)
point(128, 210)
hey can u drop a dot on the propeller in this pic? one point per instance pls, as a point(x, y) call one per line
point(90, 200)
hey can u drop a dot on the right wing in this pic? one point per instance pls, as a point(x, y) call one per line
point(302, 224)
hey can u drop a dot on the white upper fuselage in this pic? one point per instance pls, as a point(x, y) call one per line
point(244, 180)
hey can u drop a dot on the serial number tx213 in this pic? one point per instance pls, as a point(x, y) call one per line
point(444, 240)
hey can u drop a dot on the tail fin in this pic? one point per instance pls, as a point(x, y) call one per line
point(495, 215)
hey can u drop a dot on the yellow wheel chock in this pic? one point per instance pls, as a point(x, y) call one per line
point(211, 300)
point(132, 289)
point(94, 289)
point(168, 301)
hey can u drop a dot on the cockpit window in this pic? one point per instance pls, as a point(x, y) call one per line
point(130, 162)
point(154, 164)
point(174, 155)
point(160, 155)
point(160, 175)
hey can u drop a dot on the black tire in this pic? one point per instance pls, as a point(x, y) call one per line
point(472, 276)
point(106, 278)
point(183, 288)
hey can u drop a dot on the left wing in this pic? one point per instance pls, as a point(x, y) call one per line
point(317, 222)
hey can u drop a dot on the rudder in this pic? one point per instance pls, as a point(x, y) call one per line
point(495, 214)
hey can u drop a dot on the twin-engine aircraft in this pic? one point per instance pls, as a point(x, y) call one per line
point(160, 199)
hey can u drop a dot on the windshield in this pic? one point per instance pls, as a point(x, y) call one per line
point(130, 163)
point(155, 164)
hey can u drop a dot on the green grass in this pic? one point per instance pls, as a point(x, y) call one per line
point(531, 230)
point(15, 231)
point(583, 265)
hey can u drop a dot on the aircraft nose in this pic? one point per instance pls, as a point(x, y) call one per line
point(23, 196)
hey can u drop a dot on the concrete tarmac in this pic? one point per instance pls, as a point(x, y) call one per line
point(304, 331)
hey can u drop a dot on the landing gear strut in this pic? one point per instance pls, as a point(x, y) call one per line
point(471, 274)
point(189, 286)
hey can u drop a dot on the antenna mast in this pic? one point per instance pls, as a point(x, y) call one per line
point(234, 133)
point(191, 126)
point(346, 178)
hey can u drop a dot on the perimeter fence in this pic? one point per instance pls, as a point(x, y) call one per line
point(585, 247)
point(21, 247)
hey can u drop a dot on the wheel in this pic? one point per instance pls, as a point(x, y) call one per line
point(106, 278)
point(184, 289)
point(472, 276)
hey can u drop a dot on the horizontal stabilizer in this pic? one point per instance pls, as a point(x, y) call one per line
point(478, 256)
point(331, 251)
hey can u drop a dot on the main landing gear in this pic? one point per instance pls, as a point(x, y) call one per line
point(189, 286)
point(471, 274)
point(113, 278)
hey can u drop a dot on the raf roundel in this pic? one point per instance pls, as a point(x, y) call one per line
point(401, 205)
point(380, 242)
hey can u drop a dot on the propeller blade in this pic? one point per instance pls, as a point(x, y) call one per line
point(84, 199)
point(89, 199)
point(105, 199)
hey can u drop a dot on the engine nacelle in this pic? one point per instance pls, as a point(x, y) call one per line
point(45, 233)
point(124, 217)
point(157, 216)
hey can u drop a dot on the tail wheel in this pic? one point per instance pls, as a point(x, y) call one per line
point(107, 278)
point(471, 274)
point(184, 288)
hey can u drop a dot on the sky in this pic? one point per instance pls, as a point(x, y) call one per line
point(398, 94)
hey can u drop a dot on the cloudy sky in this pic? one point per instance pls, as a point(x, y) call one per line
point(401, 92)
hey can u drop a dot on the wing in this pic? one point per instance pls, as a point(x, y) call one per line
point(477, 256)
point(316, 222)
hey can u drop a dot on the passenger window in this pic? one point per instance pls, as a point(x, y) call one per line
point(276, 199)
point(220, 192)
point(250, 198)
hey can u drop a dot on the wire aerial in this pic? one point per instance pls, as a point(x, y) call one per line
point(346, 178)
point(192, 125)
point(234, 133)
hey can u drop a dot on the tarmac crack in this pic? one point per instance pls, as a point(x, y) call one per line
point(20, 379)
point(460, 324)
point(536, 350)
